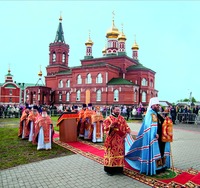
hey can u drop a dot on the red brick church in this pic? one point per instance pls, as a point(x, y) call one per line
point(113, 78)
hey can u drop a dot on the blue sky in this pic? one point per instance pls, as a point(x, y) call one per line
point(167, 32)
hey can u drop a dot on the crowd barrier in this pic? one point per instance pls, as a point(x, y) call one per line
point(197, 120)
point(186, 118)
point(180, 118)
point(6, 114)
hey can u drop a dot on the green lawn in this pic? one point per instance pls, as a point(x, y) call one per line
point(14, 151)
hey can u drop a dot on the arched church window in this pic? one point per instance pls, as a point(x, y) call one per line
point(67, 96)
point(79, 79)
point(99, 79)
point(60, 84)
point(98, 95)
point(144, 82)
point(54, 56)
point(89, 78)
point(144, 96)
point(116, 95)
point(63, 57)
point(68, 83)
point(78, 95)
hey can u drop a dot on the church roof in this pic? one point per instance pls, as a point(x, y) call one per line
point(60, 33)
point(24, 85)
point(139, 66)
point(8, 74)
point(119, 81)
point(10, 85)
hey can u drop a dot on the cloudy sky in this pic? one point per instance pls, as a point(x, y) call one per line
point(167, 32)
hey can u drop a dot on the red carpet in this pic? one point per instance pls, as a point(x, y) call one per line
point(87, 148)
point(189, 178)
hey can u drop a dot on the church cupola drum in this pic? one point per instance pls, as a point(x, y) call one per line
point(112, 39)
point(121, 41)
point(135, 49)
point(89, 43)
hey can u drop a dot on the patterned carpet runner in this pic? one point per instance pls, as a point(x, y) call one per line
point(187, 179)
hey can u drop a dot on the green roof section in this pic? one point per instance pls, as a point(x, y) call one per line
point(139, 66)
point(121, 54)
point(10, 86)
point(60, 33)
point(88, 57)
point(119, 81)
point(24, 85)
point(8, 74)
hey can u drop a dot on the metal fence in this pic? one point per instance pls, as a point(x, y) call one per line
point(9, 114)
point(180, 118)
point(186, 118)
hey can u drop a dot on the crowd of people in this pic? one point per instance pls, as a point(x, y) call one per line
point(175, 112)
point(181, 114)
point(149, 153)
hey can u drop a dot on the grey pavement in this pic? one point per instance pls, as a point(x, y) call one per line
point(78, 171)
point(64, 172)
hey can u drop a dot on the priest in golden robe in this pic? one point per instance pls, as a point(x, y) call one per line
point(97, 122)
point(87, 120)
point(116, 129)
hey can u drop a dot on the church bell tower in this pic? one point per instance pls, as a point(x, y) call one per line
point(58, 52)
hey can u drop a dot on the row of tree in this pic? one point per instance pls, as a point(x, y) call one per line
point(188, 100)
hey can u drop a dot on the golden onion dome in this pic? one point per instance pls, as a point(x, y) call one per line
point(104, 50)
point(60, 19)
point(89, 42)
point(122, 36)
point(40, 73)
point(135, 46)
point(113, 32)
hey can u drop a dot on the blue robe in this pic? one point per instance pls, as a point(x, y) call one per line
point(143, 154)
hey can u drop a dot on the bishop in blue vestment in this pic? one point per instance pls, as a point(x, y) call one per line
point(148, 153)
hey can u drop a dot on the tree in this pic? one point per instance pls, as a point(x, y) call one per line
point(187, 100)
point(193, 99)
